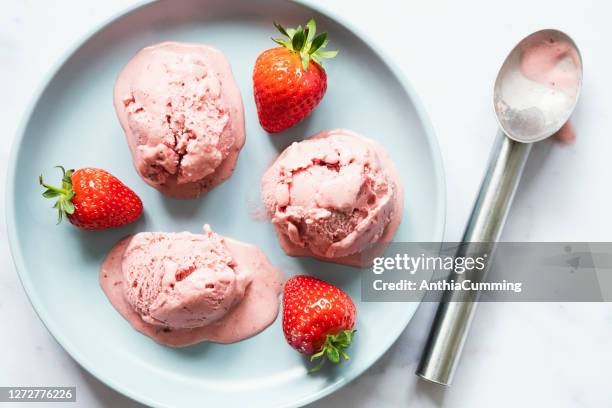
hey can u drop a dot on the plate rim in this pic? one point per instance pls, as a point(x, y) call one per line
point(17, 142)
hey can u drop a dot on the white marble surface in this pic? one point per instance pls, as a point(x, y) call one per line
point(518, 354)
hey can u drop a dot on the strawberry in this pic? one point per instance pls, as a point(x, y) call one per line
point(289, 81)
point(318, 319)
point(93, 199)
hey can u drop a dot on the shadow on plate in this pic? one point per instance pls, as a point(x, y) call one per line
point(340, 275)
point(183, 209)
point(97, 244)
point(190, 352)
point(297, 133)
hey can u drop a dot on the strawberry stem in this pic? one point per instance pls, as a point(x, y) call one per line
point(304, 42)
point(64, 194)
point(333, 349)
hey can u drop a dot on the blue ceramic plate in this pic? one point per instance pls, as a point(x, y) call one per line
point(72, 122)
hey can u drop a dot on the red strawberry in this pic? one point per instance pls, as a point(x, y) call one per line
point(93, 199)
point(289, 81)
point(318, 319)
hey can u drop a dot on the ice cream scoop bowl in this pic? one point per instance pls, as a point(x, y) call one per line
point(538, 85)
point(534, 95)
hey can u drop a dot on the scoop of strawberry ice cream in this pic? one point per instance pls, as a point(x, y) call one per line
point(182, 114)
point(182, 288)
point(333, 195)
point(181, 280)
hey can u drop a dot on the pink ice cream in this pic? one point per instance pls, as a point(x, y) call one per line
point(553, 62)
point(183, 288)
point(181, 280)
point(182, 114)
point(333, 196)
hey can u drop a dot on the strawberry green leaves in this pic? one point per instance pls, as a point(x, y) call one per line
point(282, 29)
point(64, 194)
point(333, 349)
point(318, 42)
point(297, 42)
point(305, 42)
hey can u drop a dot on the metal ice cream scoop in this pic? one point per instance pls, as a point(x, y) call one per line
point(535, 93)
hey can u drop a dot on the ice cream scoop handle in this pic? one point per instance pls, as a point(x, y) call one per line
point(452, 321)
